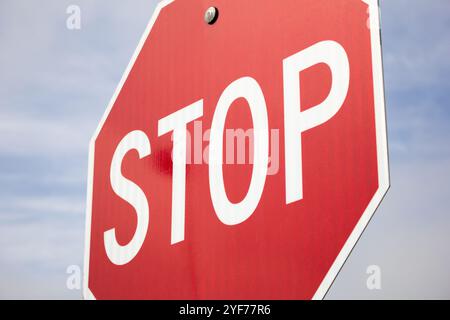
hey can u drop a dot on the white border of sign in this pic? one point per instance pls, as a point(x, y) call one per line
point(382, 150)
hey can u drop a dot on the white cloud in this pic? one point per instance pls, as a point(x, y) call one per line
point(35, 257)
point(22, 135)
point(45, 205)
point(415, 43)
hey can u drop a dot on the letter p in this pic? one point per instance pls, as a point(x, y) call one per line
point(295, 121)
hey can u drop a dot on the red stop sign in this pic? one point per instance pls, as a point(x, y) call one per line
point(241, 158)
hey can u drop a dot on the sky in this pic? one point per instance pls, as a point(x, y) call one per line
point(55, 84)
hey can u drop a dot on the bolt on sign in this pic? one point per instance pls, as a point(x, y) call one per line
point(296, 85)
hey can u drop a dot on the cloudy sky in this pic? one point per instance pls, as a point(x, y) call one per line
point(55, 84)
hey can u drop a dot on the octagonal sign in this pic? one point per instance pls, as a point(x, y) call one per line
point(242, 154)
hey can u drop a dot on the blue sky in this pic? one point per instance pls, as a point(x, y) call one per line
point(55, 84)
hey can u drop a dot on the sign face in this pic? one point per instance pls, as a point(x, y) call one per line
point(242, 154)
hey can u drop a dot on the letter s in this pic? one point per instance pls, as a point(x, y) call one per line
point(130, 192)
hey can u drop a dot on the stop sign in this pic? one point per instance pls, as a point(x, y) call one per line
point(242, 154)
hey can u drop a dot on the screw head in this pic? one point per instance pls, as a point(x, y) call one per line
point(211, 15)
